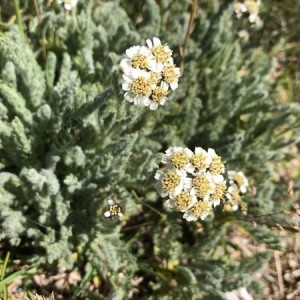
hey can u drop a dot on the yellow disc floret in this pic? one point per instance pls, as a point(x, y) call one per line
point(180, 159)
point(140, 86)
point(170, 181)
point(202, 185)
point(216, 167)
point(161, 53)
point(200, 209)
point(158, 94)
point(139, 61)
point(183, 201)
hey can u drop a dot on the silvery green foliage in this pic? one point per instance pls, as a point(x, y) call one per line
point(69, 142)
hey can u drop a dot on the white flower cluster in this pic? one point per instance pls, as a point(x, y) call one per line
point(114, 210)
point(148, 73)
point(68, 4)
point(238, 185)
point(192, 181)
point(249, 6)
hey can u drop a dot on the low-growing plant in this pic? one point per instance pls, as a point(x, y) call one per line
point(91, 94)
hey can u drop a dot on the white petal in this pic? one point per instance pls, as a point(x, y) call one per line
point(218, 178)
point(252, 18)
point(243, 189)
point(174, 85)
point(149, 43)
point(107, 214)
point(128, 97)
point(126, 86)
point(68, 6)
point(159, 175)
point(132, 51)
point(165, 86)
point(156, 41)
point(153, 106)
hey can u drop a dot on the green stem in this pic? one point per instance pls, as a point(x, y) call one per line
point(19, 17)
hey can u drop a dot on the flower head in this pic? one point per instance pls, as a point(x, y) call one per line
point(179, 158)
point(171, 75)
point(137, 86)
point(114, 210)
point(171, 182)
point(200, 160)
point(249, 6)
point(68, 4)
point(158, 95)
point(148, 73)
point(253, 9)
point(216, 165)
point(192, 181)
point(238, 185)
point(183, 201)
point(200, 210)
point(239, 179)
point(139, 57)
point(162, 54)
point(239, 8)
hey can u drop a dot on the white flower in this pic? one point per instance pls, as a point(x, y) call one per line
point(239, 179)
point(114, 210)
point(139, 57)
point(68, 4)
point(200, 210)
point(183, 201)
point(148, 72)
point(244, 35)
point(239, 8)
point(219, 190)
point(200, 160)
point(203, 185)
point(162, 54)
point(178, 157)
point(171, 75)
point(158, 95)
point(233, 196)
point(138, 87)
point(216, 166)
point(253, 8)
point(171, 182)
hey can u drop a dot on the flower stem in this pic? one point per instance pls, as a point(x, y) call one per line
point(19, 17)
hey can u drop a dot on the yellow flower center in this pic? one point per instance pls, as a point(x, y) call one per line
point(183, 201)
point(243, 206)
point(227, 207)
point(202, 185)
point(252, 6)
point(237, 7)
point(199, 161)
point(216, 167)
point(239, 179)
point(140, 86)
point(139, 61)
point(153, 78)
point(180, 159)
point(220, 190)
point(115, 210)
point(169, 74)
point(158, 94)
point(201, 208)
point(170, 181)
point(235, 194)
point(160, 53)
